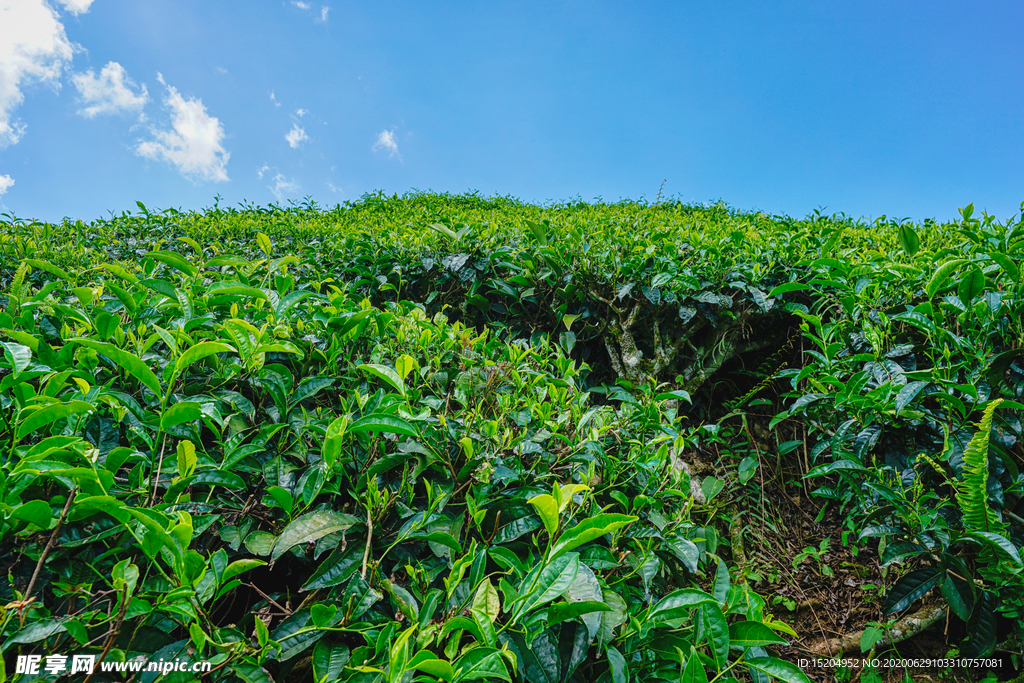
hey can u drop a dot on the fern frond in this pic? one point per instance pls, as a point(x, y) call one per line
point(972, 493)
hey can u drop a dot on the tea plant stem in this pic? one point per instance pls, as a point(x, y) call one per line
point(46, 550)
point(369, 541)
point(159, 466)
point(113, 634)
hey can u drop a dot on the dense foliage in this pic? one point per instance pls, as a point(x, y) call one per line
point(446, 438)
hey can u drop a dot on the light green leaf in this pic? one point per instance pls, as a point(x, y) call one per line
point(200, 351)
point(51, 413)
point(18, 355)
point(588, 530)
point(486, 600)
point(186, 458)
point(753, 634)
point(126, 361)
point(386, 374)
point(378, 422)
point(310, 527)
point(547, 508)
point(186, 411)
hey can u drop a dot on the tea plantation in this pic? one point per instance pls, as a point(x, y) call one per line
point(457, 438)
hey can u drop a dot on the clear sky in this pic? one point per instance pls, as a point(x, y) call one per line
point(908, 109)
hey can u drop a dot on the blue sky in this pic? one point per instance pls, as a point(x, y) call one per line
point(908, 109)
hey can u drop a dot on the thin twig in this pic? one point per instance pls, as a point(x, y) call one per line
point(159, 466)
point(113, 635)
point(269, 599)
point(46, 551)
point(369, 540)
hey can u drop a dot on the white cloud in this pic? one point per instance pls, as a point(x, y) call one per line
point(323, 13)
point(222, 71)
point(386, 141)
point(194, 143)
point(284, 188)
point(109, 92)
point(261, 171)
point(76, 6)
point(33, 48)
point(333, 188)
point(274, 99)
point(296, 136)
point(301, 112)
point(300, 4)
point(5, 183)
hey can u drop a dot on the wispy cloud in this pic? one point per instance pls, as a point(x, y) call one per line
point(76, 6)
point(193, 144)
point(33, 48)
point(324, 9)
point(5, 184)
point(296, 136)
point(273, 99)
point(283, 188)
point(301, 112)
point(386, 142)
point(261, 171)
point(222, 71)
point(109, 92)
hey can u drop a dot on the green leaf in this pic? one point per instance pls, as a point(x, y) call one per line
point(186, 458)
point(1006, 263)
point(481, 664)
point(908, 393)
point(547, 509)
point(49, 268)
point(613, 618)
point(972, 491)
point(942, 274)
point(716, 630)
point(694, 671)
point(721, 586)
point(18, 355)
point(386, 374)
point(175, 261)
point(329, 659)
point(240, 567)
point(282, 497)
point(678, 604)
point(909, 240)
point(487, 601)
point(200, 351)
point(784, 671)
point(553, 580)
point(563, 611)
point(310, 527)
point(971, 286)
point(426, 661)
point(617, 663)
point(445, 230)
point(746, 634)
point(126, 361)
point(1002, 544)
point(588, 530)
point(539, 232)
point(51, 413)
point(378, 422)
point(179, 413)
point(911, 587)
point(788, 287)
point(36, 512)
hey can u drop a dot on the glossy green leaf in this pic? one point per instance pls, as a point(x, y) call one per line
point(310, 527)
